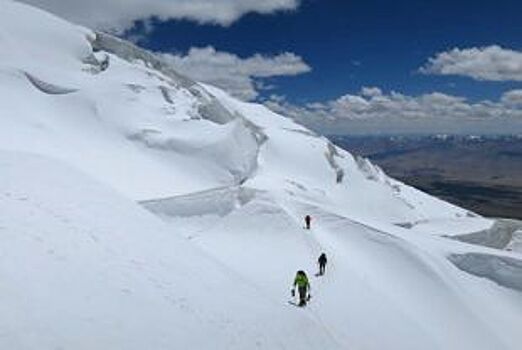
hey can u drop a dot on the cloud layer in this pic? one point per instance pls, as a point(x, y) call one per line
point(119, 15)
point(239, 76)
point(374, 111)
point(486, 63)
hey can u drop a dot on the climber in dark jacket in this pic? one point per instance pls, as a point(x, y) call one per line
point(308, 221)
point(322, 263)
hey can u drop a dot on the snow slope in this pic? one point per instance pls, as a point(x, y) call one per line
point(147, 131)
point(130, 125)
point(91, 125)
point(85, 268)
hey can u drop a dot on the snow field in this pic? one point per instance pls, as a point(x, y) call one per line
point(207, 260)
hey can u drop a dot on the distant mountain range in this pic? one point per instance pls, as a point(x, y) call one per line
point(481, 173)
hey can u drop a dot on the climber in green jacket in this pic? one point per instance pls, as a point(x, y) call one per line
point(303, 287)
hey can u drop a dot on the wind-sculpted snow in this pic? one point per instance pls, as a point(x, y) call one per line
point(219, 201)
point(234, 145)
point(130, 117)
point(498, 236)
point(505, 271)
point(139, 117)
point(209, 107)
point(48, 88)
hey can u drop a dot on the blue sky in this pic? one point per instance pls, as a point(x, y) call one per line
point(365, 66)
point(351, 44)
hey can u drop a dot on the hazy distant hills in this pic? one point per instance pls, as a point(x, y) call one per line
point(482, 173)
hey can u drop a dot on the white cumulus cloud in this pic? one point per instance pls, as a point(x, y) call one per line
point(374, 111)
point(485, 63)
point(119, 15)
point(513, 98)
point(238, 76)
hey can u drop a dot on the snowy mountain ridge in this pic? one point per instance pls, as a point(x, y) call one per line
point(142, 210)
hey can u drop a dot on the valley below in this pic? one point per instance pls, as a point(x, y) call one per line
point(482, 174)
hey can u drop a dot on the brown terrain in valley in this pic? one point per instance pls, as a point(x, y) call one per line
point(483, 174)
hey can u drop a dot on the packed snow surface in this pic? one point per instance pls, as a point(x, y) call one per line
point(142, 210)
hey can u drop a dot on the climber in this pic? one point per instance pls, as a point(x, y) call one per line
point(322, 263)
point(308, 221)
point(303, 287)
